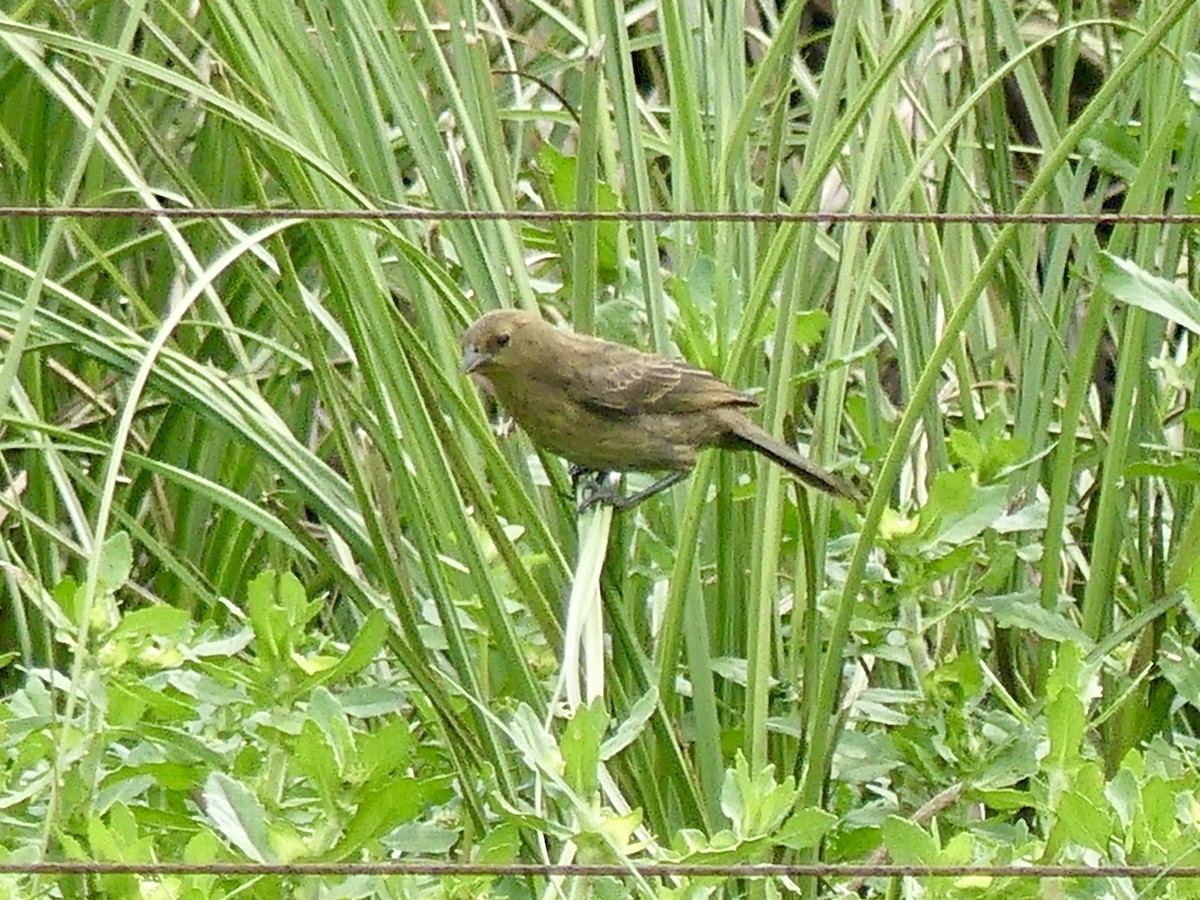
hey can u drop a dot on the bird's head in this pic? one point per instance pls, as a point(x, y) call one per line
point(499, 339)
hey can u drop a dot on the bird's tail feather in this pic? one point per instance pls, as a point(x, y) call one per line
point(751, 437)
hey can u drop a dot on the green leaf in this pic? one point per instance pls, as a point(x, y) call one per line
point(327, 713)
point(987, 505)
point(908, 843)
point(388, 749)
point(171, 776)
point(1181, 667)
point(278, 611)
point(951, 491)
point(1068, 672)
point(580, 746)
point(315, 758)
point(1114, 149)
point(1083, 822)
point(68, 595)
point(563, 174)
point(363, 651)
point(1191, 76)
point(1157, 809)
point(633, 725)
point(963, 672)
point(1065, 725)
point(101, 840)
point(755, 804)
point(1024, 612)
point(500, 845)
point(237, 815)
point(384, 805)
point(1007, 800)
point(1131, 284)
point(1124, 795)
point(203, 847)
point(805, 828)
point(1185, 471)
point(116, 561)
point(422, 839)
point(950, 494)
point(966, 447)
point(810, 326)
point(153, 621)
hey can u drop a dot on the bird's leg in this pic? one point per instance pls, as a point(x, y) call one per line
point(661, 485)
point(582, 475)
point(605, 493)
point(596, 488)
point(592, 481)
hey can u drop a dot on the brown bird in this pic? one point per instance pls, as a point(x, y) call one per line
point(610, 408)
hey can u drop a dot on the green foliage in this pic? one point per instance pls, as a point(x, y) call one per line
point(208, 742)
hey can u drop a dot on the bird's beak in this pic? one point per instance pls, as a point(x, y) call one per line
point(473, 358)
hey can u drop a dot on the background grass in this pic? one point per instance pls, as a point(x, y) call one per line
point(272, 588)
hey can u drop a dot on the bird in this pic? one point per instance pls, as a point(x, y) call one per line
point(607, 407)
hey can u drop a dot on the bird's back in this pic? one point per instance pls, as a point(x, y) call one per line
point(609, 377)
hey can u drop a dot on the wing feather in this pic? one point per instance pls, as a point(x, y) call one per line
point(630, 382)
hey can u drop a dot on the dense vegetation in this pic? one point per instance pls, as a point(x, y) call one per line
point(273, 590)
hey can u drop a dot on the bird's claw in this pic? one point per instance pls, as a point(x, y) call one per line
point(600, 491)
point(604, 491)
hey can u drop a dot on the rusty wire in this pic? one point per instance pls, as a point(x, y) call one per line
point(647, 870)
point(547, 215)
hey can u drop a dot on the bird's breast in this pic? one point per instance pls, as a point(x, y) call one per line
point(610, 440)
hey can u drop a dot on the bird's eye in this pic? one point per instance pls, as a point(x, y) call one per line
point(502, 339)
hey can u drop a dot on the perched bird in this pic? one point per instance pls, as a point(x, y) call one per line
point(610, 408)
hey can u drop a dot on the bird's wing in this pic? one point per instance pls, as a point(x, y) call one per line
point(636, 383)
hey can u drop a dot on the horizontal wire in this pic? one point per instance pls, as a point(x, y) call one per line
point(666, 870)
point(548, 215)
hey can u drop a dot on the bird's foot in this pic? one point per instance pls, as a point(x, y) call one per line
point(601, 490)
point(583, 477)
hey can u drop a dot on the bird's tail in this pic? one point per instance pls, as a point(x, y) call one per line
point(745, 434)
